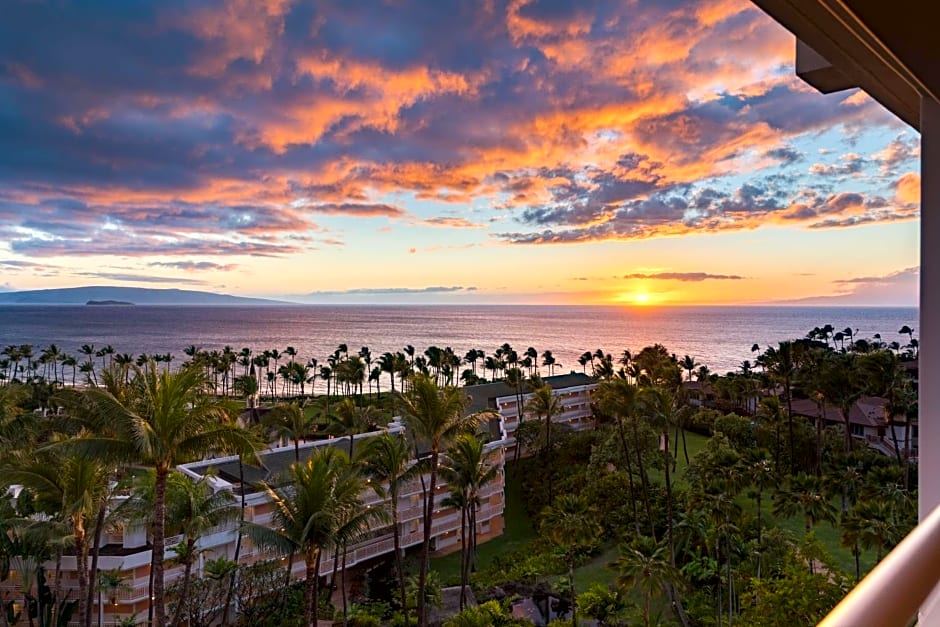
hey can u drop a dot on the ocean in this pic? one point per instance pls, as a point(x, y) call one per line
point(718, 337)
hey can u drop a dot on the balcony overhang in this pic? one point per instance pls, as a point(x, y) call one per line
point(887, 49)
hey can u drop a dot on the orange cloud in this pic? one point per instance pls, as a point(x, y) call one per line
point(907, 189)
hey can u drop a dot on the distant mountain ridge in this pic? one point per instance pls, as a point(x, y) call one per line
point(135, 295)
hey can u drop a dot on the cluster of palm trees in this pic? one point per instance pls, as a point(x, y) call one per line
point(70, 466)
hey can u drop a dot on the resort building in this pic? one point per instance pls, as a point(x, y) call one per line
point(574, 392)
point(867, 420)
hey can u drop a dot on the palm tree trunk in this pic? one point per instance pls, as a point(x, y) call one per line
point(183, 599)
point(311, 599)
point(159, 538)
point(238, 542)
point(150, 593)
point(672, 546)
point(81, 559)
point(463, 556)
point(343, 584)
point(573, 599)
point(790, 427)
point(57, 587)
point(644, 481)
point(907, 452)
point(399, 562)
point(95, 552)
point(287, 582)
point(426, 544)
point(629, 464)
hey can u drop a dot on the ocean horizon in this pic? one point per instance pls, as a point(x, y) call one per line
point(717, 336)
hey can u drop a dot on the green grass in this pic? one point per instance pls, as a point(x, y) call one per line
point(598, 570)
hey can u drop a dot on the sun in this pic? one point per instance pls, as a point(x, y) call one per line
point(641, 298)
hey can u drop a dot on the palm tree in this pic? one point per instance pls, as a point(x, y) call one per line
point(167, 419)
point(319, 507)
point(548, 359)
point(347, 419)
point(689, 364)
point(644, 564)
point(544, 404)
point(196, 508)
point(70, 485)
point(618, 398)
point(467, 470)
point(434, 416)
point(781, 366)
point(804, 494)
point(289, 421)
point(388, 461)
point(569, 523)
point(660, 407)
point(840, 384)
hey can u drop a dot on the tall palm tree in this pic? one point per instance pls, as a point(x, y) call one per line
point(689, 364)
point(434, 416)
point(196, 508)
point(781, 365)
point(467, 471)
point(167, 419)
point(70, 486)
point(318, 507)
point(348, 419)
point(619, 398)
point(569, 523)
point(660, 407)
point(841, 384)
point(544, 404)
point(644, 564)
point(387, 459)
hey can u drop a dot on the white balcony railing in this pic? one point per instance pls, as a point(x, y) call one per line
point(893, 592)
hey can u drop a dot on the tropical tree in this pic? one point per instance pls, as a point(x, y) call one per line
point(318, 507)
point(435, 417)
point(388, 461)
point(619, 398)
point(544, 404)
point(644, 564)
point(467, 471)
point(168, 418)
point(289, 420)
point(781, 366)
point(70, 486)
point(196, 508)
point(804, 495)
point(569, 523)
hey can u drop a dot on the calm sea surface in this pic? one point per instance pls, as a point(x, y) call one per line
point(719, 337)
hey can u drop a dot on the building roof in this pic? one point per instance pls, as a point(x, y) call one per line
point(275, 461)
point(867, 411)
point(886, 48)
point(483, 396)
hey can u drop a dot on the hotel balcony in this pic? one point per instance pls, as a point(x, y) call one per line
point(888, 50)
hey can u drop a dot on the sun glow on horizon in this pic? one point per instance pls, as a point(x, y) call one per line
point(638, 298)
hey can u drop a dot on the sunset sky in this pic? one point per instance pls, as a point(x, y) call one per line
point(657, 151)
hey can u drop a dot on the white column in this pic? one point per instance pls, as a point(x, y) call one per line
point(929, 386)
